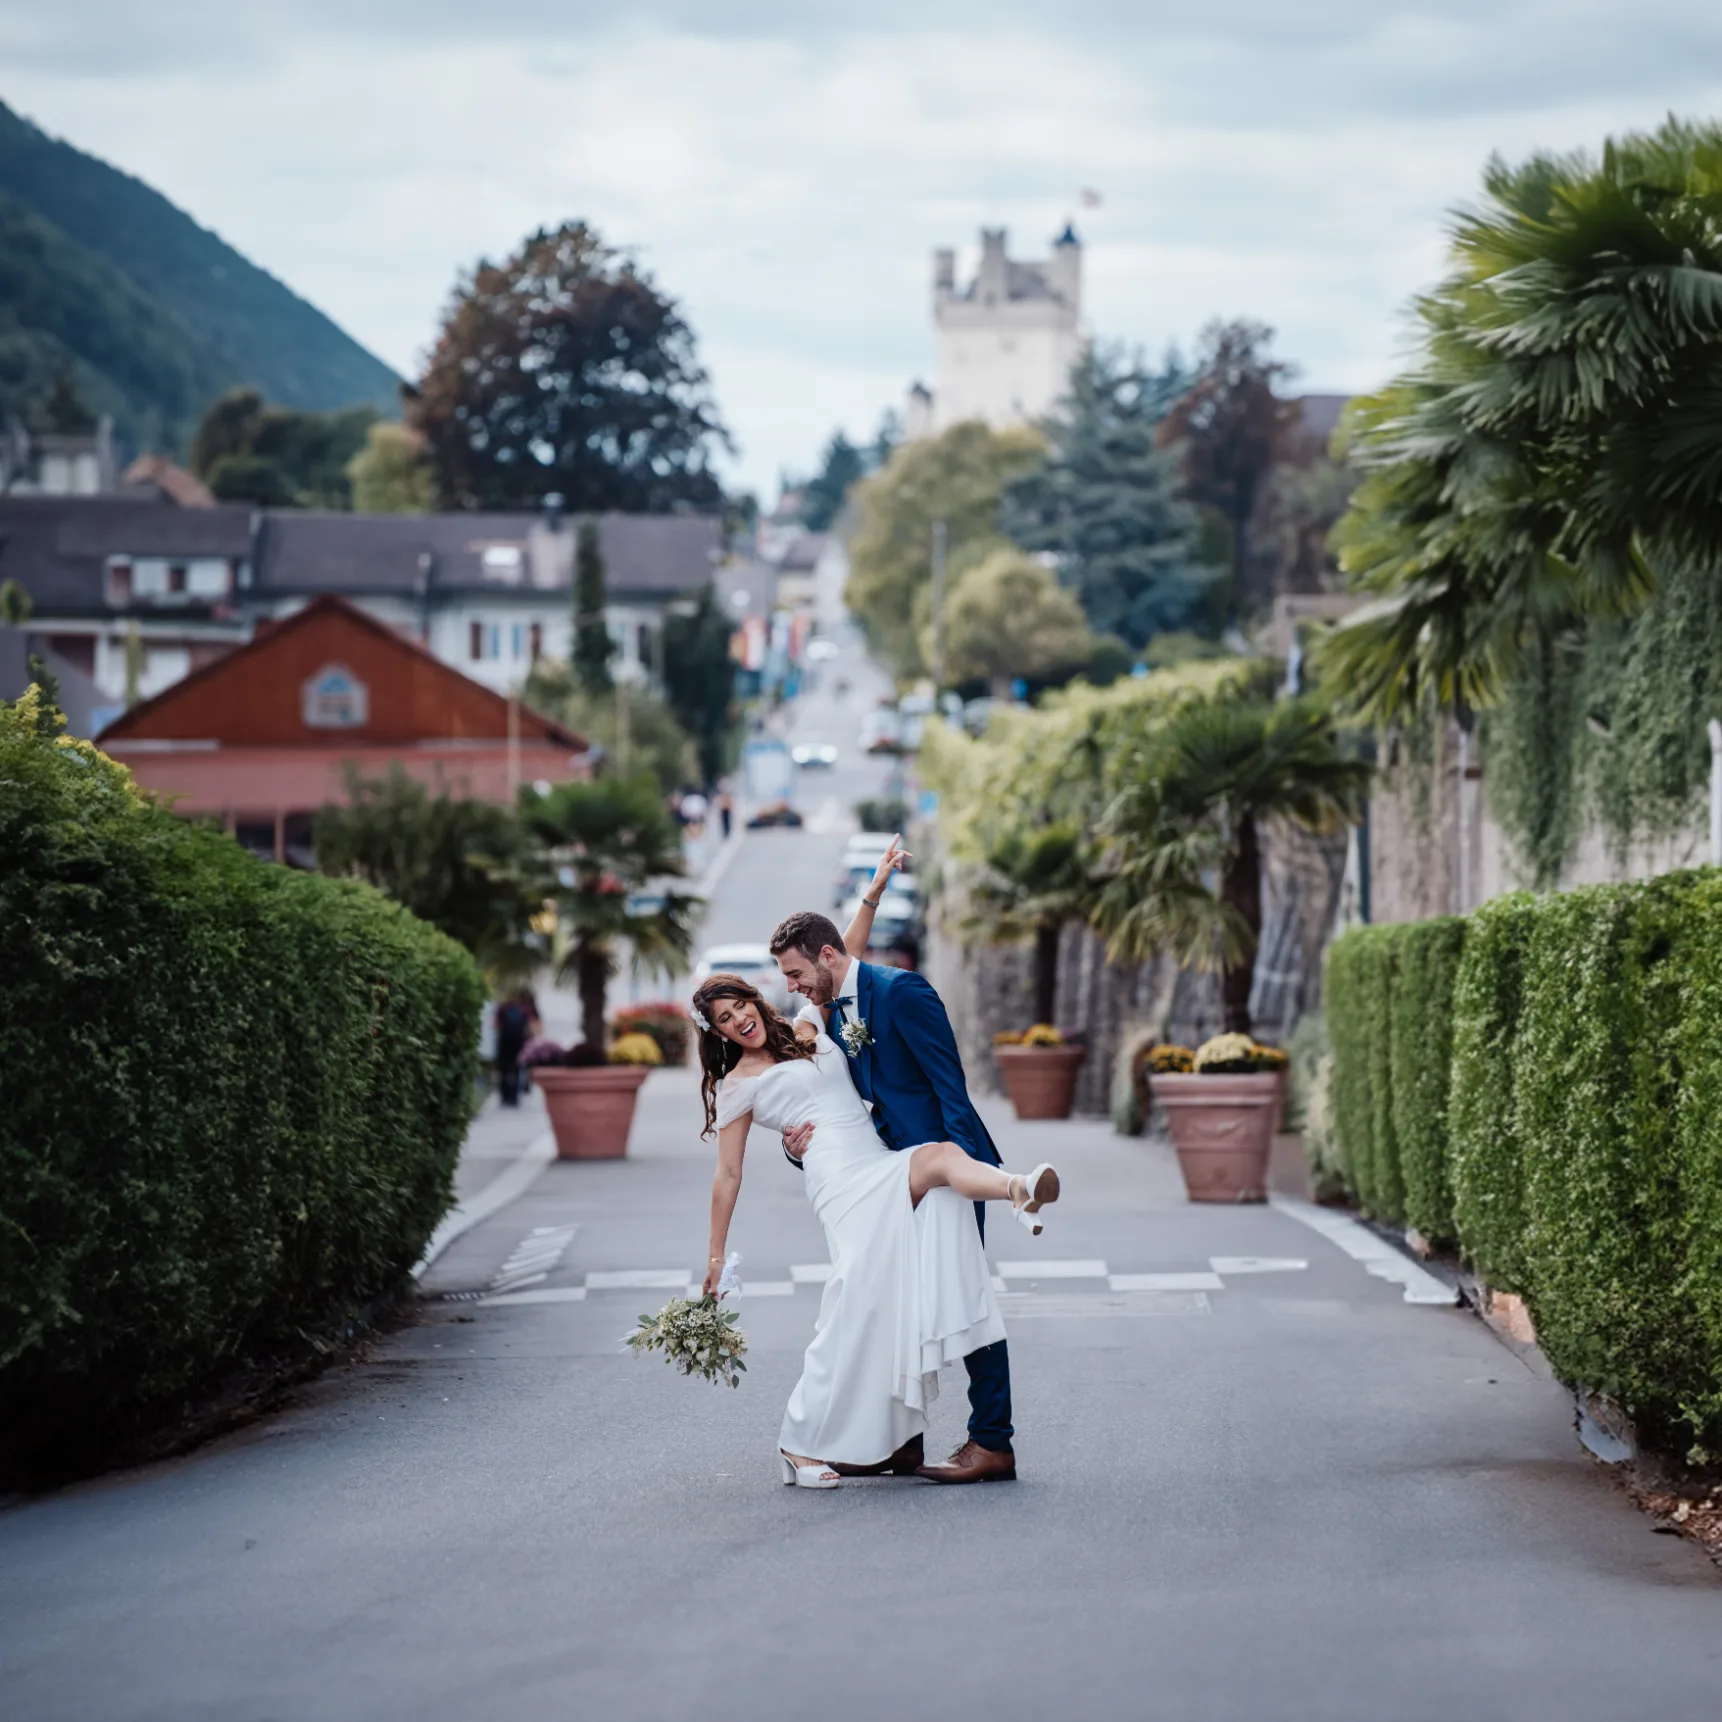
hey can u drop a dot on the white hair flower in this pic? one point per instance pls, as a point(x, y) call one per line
point(699, 1017)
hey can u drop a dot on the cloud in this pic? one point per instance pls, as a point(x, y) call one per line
point(785, 170)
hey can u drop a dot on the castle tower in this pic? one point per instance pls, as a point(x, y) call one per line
point(1007, 338)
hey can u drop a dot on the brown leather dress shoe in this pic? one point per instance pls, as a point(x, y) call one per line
point(905, 1462)
point(972, 1463)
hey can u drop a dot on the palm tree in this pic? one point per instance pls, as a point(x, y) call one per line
point(1184, 836)
point(1558, 438)
point(1036, 880)
point(612, 847)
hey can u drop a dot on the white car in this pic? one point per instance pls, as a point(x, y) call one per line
point(814, 754)
point(821, 651)
point(897, 918)
point(754, 964)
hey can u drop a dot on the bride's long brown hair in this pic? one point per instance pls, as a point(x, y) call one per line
point(718, 1056)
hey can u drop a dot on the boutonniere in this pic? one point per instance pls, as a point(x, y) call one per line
point(854, 1036)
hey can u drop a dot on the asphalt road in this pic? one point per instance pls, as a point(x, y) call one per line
point(1277, 1494)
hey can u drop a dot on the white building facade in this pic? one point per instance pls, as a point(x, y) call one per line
point(1006, 339)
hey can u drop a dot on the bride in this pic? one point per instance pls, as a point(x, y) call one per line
point(910, 1288)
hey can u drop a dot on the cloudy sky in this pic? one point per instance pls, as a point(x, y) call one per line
point(785, 169)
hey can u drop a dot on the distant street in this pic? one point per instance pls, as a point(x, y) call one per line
point(1258, 1485)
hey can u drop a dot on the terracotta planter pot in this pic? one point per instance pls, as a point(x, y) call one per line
point(1222, 1130)
point(591, 1111)
point(1040, 1080)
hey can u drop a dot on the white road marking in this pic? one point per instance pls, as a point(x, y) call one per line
point(546, 1294)
point(640, 1279)
point(496, 1195)
point(1088, 1308)
point(1256, 1264)
point(1193, 1282)
point(768, 1288)
point(1050, 1270)
point(533, 1258)
point(811, 1273)
point(1377, 1255)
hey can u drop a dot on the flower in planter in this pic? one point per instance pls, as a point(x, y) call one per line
point(1168, 1060)
point(1042, 1034)
point(541, 1049)
point(1236, 1055)
point(1007, 1037)
point(635, 1049)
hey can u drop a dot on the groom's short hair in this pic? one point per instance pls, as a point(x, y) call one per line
point(806, 932)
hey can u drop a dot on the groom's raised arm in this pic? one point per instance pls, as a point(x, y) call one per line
point(927, 1032)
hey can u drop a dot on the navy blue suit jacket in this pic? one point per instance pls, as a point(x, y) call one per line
point(912, 1072)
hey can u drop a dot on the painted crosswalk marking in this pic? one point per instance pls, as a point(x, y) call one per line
point(1165, 1282)
point(533, 1258)
point(639, 1279)
point(1256, 1264)
point(1050, 1270)
point(811, 1274)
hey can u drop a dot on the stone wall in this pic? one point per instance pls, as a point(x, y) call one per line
point(989, 988)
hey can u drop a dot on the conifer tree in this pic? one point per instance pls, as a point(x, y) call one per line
point(593, 647)
point(1106, 502)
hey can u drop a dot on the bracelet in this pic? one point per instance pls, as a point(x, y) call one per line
point(872, 902)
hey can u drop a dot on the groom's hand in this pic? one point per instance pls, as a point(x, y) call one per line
point(795, 1140)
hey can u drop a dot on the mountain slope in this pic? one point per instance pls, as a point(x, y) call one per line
point(157, 314)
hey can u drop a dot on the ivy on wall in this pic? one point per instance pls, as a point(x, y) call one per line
point(1608, 725)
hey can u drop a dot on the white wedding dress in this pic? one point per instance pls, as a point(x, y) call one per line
point(910, 1288)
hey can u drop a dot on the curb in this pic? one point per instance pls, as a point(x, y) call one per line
point(507, 1186)
point(1378, 1257)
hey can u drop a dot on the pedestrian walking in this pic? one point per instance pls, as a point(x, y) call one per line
point(514, 1026)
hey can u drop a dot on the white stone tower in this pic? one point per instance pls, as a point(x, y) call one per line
point(1007, 339)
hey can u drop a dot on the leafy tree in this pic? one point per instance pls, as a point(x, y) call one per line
point(1228, 428)
point(564, 371)
point(607, 840)
point(1556, 441)
point(250, 478)
point(655, 741)
point(593, 647)
point(1036, 880)
point(1105, 500)
point(841, 467)
point(454, 861)
point(65, 411)
point(1008, 617)
point(885, 439)
point(1184, 840)
point(248, 451)
point(699, 679)
point(958, 478)
point(391, 474)
point(15, 604)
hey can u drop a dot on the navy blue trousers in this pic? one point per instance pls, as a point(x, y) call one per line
point(989, 1382)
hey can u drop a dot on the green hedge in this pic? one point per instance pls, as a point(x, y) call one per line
point(1581, 1136)
point(231, 1098)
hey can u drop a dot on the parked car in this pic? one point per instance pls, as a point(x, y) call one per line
point(881, 731)
point(821, 651)
point(814, 755)
point(755, 964)
point(896, 922)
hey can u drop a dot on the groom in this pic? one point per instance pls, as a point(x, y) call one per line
point(904, 1064)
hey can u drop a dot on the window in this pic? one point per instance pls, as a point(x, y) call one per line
point(535, 641)
point(517, 640)
point(493, 643)
point(475, 640)
point(120, 582)
point(501, 562)
point(256, 832)
point(176, 576)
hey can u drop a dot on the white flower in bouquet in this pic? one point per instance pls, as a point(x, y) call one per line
point(695, 1335)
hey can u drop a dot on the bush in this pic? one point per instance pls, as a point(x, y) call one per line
point(1578, 1131)
point(1426, 964)
point(1358, 995)
point(1482, 1126)
point(1309, 1107)
point(231, 1100)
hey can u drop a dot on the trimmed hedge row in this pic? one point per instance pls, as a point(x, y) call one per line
point(231, 1098)
point(1574, 1118)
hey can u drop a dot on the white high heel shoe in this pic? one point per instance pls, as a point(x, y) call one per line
point(1039, 1188)
point(807, 1476)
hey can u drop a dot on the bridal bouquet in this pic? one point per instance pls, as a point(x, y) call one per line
point(695, 1335)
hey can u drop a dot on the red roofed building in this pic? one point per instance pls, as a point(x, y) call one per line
point(261, 738)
